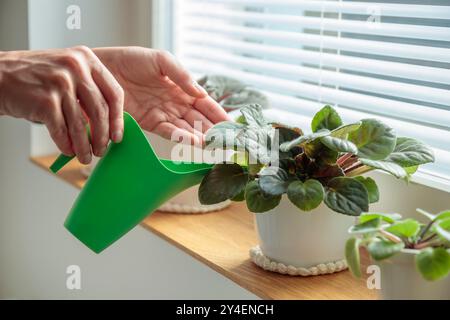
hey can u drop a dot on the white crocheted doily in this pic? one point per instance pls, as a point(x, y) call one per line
point(323, 268)
point(189, 209)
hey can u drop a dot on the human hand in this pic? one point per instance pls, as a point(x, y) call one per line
point(160, 94)
point(64, 89)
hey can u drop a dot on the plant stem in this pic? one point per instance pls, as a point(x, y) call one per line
point(426, 244)
point(353, 166)
point(425, 230)
point(430, 237)
point(391, 236)
point(343, 159)
point(358, 171)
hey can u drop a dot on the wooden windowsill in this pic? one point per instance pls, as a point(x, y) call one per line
point(222, 240)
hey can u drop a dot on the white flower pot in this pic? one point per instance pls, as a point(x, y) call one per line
point(301, 239)
point(184, 202)
point(401, 280)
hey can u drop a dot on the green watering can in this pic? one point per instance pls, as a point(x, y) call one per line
point(128, 183)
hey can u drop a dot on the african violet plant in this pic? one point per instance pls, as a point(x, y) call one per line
point(324, 165)
point(385, 235)
point(230, 93)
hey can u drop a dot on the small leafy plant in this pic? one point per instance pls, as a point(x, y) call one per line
point(324, 165)
point(384, 235)
point(230, 93)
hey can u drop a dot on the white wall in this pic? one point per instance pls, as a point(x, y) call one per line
point(35, 249)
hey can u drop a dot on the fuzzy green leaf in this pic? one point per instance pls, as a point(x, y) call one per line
point(257, 201)
point(352, 256)
point(409, 152)
point(388, 217)
point(343, 131)
point(374, 139)
point(347, 196)
point(406, 228)
point(372, 225)
point(339, 145)
point(383, 249)
point(224, 181)
point(274, 181)
point(286, 146)
point(442, 228)
point(231, 93)
point(390, 167)
point(326, 118)
point(433, 263)
point(371, 187)
point(306, 195)
point(223, 135)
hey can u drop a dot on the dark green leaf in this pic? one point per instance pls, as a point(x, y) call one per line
point(257, 201)
point(433, 263)
point(374, 139)
point(406, 228)
point(343, 131)
point(339, 145)
point(239, 197)
point(321, 153)
point(383, 249)
point(409, 152)
point(389, 167)
point(274, 181)
point(286, 146)
point(352, 256)
point(326, 118)
point(347, 196)
point(305, 195)
point(371, 188)
point(224, 181)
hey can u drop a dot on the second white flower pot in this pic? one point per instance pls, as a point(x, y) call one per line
point(298, 239)
point(401, 280)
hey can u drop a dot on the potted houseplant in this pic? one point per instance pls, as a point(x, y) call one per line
point(414, 257)
point(231, 94)
point(305, 188)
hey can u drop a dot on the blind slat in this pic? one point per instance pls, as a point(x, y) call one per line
point(395, 69)
point(361, 8)
point(360, 27)
point(302, 39)
point(385, 87)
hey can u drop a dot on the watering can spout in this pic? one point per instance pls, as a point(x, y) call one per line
point(128, 184)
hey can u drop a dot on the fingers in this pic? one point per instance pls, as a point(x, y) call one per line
point(171, 68)
point(197, 120)
point(211, 110)
point(77, 128)
point(97, 111)
point(56, 126)
point(170, 131)
point(184, 125)
point(102, 99)
point(114, 96)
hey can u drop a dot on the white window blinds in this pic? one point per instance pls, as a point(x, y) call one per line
point(384, 59)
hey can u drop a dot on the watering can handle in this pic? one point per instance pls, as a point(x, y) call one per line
point(63, 159)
